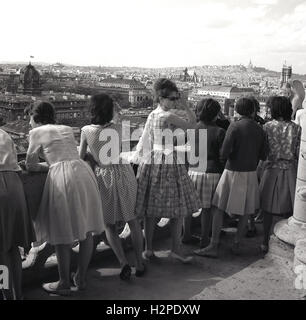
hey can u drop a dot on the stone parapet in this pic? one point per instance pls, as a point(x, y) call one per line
point(293, 230)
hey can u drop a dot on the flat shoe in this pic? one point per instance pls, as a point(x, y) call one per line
point(203, 253)
point(191, 240)
point(184, 260)
point(75, 282)
point(251, 233)
point(204, 243)
point(52, 287)
point(140, 273)
point(264, 249)
point(148, 254)
point(125, 273)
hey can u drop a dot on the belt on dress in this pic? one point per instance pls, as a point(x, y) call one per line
point(166, 149)
point(66, 160)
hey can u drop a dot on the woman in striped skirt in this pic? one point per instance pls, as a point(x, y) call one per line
point(206, 179)
point(237, 192)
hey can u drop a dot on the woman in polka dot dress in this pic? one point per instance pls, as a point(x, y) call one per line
point(117, 182)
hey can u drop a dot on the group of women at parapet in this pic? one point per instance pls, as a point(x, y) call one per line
point(250, 166)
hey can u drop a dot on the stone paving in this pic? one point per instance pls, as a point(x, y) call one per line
point(247, 276)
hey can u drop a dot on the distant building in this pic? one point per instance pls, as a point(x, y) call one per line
point(190, 76)
point(286, 74)
point(30, 81)
point(254, 84)
point(127, 92)
point(70, 110)
point(12, 107)
point(250, 66)
point(228, 92)
point(9, 82)
point(225, 95)
point(225, 103)
point(121, 83)
point(140, 98)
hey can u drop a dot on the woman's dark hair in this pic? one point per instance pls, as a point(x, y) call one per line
point(245, 107)
point(101, 108)
point(256, 103)
point(163, 88)
point(280, 107)
point(210, 110)
point(42, 112)
point(199, 108)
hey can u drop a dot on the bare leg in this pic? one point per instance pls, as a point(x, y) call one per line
point(16, 271)
point(85, 254)
point(176, 225)
point(212, 249)
point(206, 221)
point(251, 227)
point(137, 239)
point(187, 228)
point(63, 260)
point(267, 224)
point(241, 230)
point(115, 243)
point(252, 222)
point(242, 224)
point(149, 226)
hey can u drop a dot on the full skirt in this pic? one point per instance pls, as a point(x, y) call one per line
point(118, 191)
point(16, 227)
point(70, 206)
point(237, 193)
point(165, 190)
point(205, 184)
point(277, 191)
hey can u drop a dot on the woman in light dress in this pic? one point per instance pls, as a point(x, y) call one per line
point(70, 208)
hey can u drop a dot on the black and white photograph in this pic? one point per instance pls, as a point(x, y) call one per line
point(152, 153)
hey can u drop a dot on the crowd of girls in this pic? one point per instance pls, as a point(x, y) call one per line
point(80, 201)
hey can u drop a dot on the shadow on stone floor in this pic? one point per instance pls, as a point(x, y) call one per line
point(165, 278)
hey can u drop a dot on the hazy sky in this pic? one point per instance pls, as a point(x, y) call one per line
point(155, 33)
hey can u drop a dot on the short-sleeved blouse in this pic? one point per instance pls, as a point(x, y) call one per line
point(54, 143)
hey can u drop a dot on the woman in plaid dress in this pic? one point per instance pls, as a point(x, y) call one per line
point(164, 187)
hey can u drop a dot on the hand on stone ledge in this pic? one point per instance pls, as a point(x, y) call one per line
point(22, 165)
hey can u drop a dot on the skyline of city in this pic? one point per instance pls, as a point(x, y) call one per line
point(42, 63)
point(156, 34)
